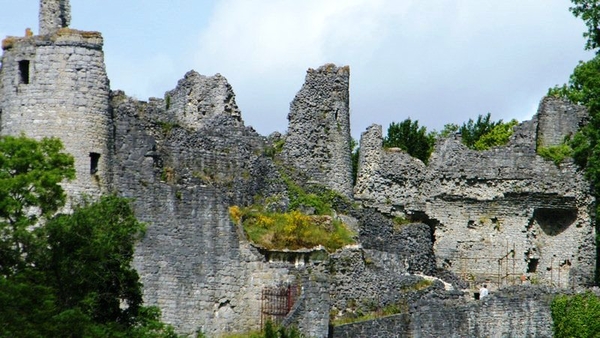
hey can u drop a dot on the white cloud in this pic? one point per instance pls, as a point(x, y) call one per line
point(439, 61)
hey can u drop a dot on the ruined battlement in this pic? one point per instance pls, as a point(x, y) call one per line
point(484, 205)
point(61, 37)
point(318, 138)
point(184, 159)
point(54, 15)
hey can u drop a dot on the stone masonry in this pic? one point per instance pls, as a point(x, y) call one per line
point(318, 137)
point(498, 214)
point(56, 85)
point(54, 15)
point(186, 158)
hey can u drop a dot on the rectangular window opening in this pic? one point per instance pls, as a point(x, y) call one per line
point(24, 71)
point(532, 265)
point(94, 157)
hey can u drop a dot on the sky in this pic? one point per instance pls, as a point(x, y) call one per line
point(436, 61)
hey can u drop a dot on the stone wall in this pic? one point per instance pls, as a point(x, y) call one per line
point(57, 86)
point(557, 118)
point(195, 264)
point(54, 15)
point(197, 98)
point(318, 137)
point(518, 312)
point(506, 204)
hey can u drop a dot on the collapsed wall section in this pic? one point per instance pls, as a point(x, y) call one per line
point(194, 262)
point(519, 312)
point(499, 215)
point(318, 138)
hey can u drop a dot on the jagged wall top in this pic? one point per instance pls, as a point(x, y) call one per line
point(54, 15)
point(318, 138)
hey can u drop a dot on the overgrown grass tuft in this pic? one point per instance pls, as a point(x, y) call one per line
point(557, 154)
point(291, 230)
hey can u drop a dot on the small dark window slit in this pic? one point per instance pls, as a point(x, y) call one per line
point(94, 157)
point(24, 72)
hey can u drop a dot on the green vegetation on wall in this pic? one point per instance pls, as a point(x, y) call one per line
point(576, 316)
point(291, 230)
point(485, 133)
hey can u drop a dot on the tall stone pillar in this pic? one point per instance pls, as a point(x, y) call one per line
point(318, 138)
point(54, 15)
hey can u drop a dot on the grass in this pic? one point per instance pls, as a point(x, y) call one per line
point(291, 230)
point(9, 42)
point(389, 310)
point(556, 154)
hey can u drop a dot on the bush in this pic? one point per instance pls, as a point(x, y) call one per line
point(498, 136)
point(291, 230)
point(576, 316)
point(557, 154)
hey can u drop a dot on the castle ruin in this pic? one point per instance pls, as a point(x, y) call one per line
point(497, 215)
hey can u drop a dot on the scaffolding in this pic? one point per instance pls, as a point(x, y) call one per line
point(505, 271)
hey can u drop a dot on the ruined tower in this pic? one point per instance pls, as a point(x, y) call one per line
point(318, 140)
point(55, 85)
point(54, 15)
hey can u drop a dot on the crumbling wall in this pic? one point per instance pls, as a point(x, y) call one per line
point(317, 143)
point(56, 86)
point(194, 262)
point(198, 98)
point(558, 118)
point(519, 312)
point(498, 214)
point(54, 15)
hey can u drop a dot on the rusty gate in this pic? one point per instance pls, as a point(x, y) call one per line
point(277, 302)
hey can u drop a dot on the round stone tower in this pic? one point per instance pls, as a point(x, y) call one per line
point(55, 85)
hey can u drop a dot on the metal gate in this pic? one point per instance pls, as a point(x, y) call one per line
point(277, 302)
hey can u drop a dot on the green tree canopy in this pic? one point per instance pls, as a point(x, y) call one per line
point(589, 12)
point(408, 136)
point(29, 175)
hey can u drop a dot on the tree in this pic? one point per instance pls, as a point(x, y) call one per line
point(589, 11)
point(90, 254)
point(497, 136)
point(65, 275)
point(472, 131)
point(408, 136)
point(29, 193)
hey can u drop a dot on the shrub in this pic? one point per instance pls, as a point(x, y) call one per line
point(555, 153)
point(576, 316)
point(291, 230)
point(497, 136)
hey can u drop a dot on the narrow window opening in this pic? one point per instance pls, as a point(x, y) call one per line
point(24, 72)
point(94, 157)
point(532, 266)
